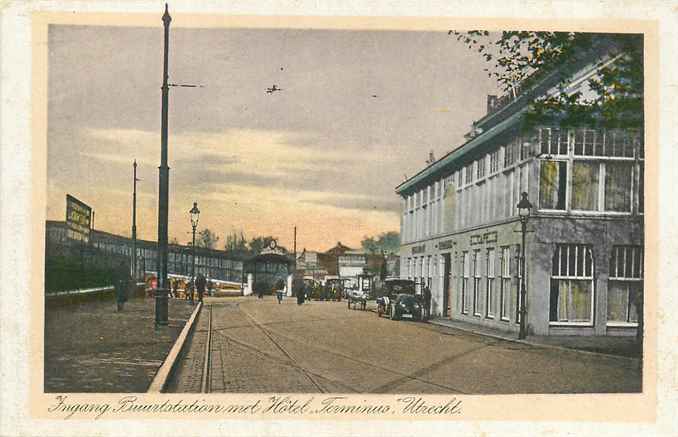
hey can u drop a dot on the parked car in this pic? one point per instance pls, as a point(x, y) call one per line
point(405, 306)
point(389, 292)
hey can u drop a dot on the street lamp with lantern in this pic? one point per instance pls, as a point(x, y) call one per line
point(524, 209)
point(195, 216)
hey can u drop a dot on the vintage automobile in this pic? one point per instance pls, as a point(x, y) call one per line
point(405, 306)
point(390, 291)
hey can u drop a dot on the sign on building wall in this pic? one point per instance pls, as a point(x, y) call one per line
point(78, 219)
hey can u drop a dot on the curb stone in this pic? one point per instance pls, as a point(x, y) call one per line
point(165, 371)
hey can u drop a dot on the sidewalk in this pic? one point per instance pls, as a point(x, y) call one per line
point(89, 347)
point(608, 345)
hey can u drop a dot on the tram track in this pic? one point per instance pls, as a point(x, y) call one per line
point(206, 380)
point(288, 359)
point(265, 331)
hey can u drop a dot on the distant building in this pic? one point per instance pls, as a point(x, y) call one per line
point(215, 264)
point(461, 234)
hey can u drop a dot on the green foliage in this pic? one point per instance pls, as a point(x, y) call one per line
point(521, 59)
point(206, 238)
point(68, 273)
point(237, 244)
point(388, 242)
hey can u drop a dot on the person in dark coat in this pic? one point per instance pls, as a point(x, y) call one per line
point(427, 302)
point(299, 289)
point(122, 279)
point(200, 283)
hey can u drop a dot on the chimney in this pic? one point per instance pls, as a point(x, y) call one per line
point(491, 103)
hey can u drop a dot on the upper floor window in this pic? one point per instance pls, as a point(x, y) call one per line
point(553, 141)
point(494, 161)
point(468, 170)
point(480, 168)
point(552, 185)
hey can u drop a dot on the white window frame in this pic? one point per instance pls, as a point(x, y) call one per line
point(576, 277)
point(490, 262)
point(476, 283)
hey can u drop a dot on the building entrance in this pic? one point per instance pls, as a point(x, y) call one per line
point(446, 285)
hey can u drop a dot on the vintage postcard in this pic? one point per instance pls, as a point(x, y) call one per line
point(422, 222)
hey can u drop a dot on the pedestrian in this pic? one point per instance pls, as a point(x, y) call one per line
point(122, 279)
point(280, 290)
point(427, 302)
point(299, 289)
point(210, 287)
point(191, 290)
point(260, 290)
point(175, 288)
point(200, 283)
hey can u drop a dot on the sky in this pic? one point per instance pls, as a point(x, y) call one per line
point(358, 112)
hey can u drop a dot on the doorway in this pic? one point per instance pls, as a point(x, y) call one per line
point(446, 285)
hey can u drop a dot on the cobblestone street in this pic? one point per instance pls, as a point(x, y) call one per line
point(260, 346)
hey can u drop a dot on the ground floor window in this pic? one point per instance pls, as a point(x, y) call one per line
point(505, 299)
point(625, 286)
point(465, 268)
point(490, 295)
point(572, 290)
point(476, 283)
point(622, 301)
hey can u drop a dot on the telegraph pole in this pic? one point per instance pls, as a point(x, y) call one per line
point(134, 224)
point(161, 315)
point(295, 249)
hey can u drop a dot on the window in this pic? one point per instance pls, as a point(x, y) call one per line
point(510, 153)
point(641, 188)
point(625, 285)
point(618, 186)
point(476, 283)
point(505, 299)
point(490, 297)
point(494, 161)
point(585, 185)
point(553, 141)
point(480, 168)
point(519, 282)
point(552, 185)
point(469, 173)
point(464, 282)
point(572, 284)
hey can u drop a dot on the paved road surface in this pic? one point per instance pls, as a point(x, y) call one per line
point(260, 346)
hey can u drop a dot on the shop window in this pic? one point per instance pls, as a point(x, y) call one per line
point(571, 299)
point(618, 177)
point(505, 298)
point(489, 290)
point(625, 284)
point(585, 185)
point(552, 185)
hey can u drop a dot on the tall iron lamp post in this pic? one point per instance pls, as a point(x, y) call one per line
point(524, 209)
point(195, 216)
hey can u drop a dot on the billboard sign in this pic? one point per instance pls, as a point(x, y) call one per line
point(78, 219)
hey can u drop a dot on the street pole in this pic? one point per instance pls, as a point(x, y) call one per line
point(193, 262)
point(523, 311)
point(161, 315)
point(134, 224)
point(295, 249)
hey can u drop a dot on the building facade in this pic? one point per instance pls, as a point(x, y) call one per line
point(461, 232)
